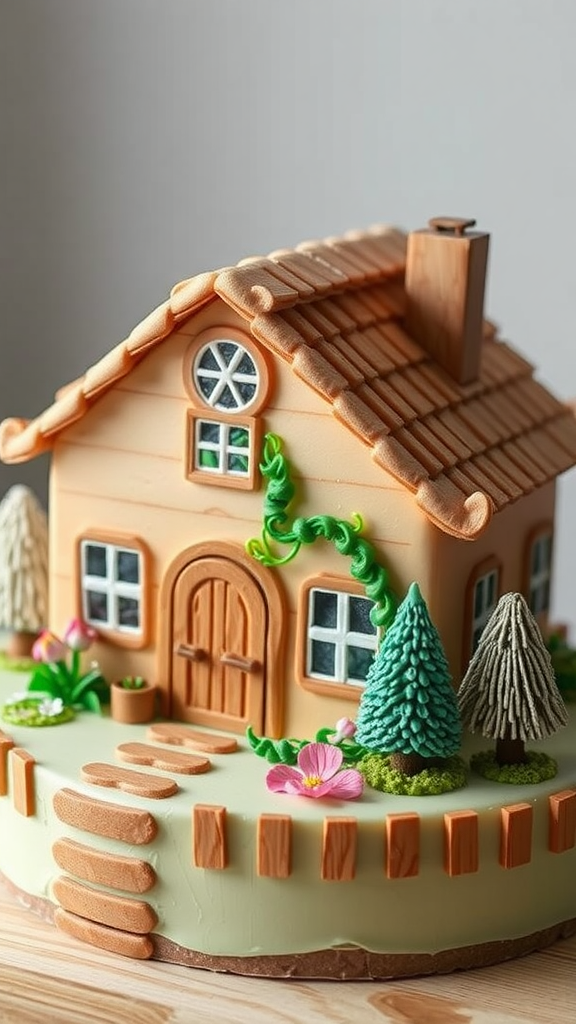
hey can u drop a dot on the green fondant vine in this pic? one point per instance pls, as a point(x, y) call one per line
point(285, 751)
point(344, 535)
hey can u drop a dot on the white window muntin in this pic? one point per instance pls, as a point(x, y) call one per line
point(112, 588)
point(226, 376)
point(484, 600)
point(540, 573)
point(339, 636)
point(228, 458)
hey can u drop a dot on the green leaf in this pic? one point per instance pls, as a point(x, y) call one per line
point(46, 684)
point(91, 702)
point(85, 684)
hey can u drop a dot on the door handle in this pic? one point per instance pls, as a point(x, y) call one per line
point(190, 652)
point(236, 661)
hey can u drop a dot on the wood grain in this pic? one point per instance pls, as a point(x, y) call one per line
point(42, 970)
point(102, 818)
point(24, 792)
point(47, 976)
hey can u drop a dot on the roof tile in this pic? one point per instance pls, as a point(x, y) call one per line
point(334, 311)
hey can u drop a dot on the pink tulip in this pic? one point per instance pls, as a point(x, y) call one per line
point(319, 773)
point(48, 648)
point(345, 729)
point(79, 636)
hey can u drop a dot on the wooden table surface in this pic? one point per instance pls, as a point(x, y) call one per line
point(47, 978)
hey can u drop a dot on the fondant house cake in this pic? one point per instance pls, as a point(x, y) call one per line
point(370, 356)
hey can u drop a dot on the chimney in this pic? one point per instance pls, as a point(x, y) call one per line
point(445, 279)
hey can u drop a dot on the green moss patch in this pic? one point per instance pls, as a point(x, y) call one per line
point(28, 712)
point(431, 782)
point(10, 664)
point(538, 768)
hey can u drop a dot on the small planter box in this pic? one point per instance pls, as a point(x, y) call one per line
point(132, 705)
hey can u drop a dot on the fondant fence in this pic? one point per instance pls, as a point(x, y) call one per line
point(401, 837)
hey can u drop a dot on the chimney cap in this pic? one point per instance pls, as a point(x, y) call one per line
point(457, 225)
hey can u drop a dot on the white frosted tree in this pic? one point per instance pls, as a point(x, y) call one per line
point(23, 568)
point(509, 692)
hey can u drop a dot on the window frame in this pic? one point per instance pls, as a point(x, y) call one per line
point(248, 482)
point(236, 337)
point(246, 417)
point(326, 687)
point(133, 639)
point(540, 532)
point(480, 571)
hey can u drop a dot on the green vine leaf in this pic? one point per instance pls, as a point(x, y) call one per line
point(344, 535)
point(275, 751)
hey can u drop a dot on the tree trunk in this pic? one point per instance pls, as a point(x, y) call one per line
point(409, 764)
point(510, 751)
point(20, 644)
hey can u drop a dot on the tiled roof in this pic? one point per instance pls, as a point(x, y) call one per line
point(334, 311)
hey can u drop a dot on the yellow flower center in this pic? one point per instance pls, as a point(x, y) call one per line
point(310, 781)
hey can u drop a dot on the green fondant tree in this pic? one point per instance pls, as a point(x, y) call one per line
point(409, 708)
point(509, 691)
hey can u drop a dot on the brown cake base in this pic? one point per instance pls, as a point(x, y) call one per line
point(354, 964)
point(343, 963)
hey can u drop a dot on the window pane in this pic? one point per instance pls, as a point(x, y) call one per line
point(323, 658)
point(95, 555)
point(128, 612)
point(207, 385)
point(238, 464)
point(209, 431)
point(208, 459)
point(208, 361)
point(128, 566)
point(246, 390)
point(226, 399)
point(479, 598)
point(238, 436)
point(324, 609)
point(96, 606)
point(246, 366)
point(359, 614)
point(227, 350)
point(491, 586)
point(359, 661)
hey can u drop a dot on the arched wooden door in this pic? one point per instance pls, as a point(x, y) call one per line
point(220, 624)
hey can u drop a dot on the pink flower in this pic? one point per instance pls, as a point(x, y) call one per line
point(345, 729)
point(318, 774)
point(79, 636)
point(48, 648)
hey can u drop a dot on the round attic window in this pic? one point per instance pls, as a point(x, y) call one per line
point(225, 376)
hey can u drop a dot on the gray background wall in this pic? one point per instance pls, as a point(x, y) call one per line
point(142, 141)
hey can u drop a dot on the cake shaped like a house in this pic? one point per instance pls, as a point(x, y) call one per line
point(395, 399)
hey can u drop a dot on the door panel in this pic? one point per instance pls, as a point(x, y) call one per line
point(219, 646)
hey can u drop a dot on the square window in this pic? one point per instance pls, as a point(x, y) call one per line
point(114, 601)
point(220, 450)
point(340, 639)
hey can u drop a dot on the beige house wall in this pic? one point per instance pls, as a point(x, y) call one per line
point(507, 539)
point(121, 469)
